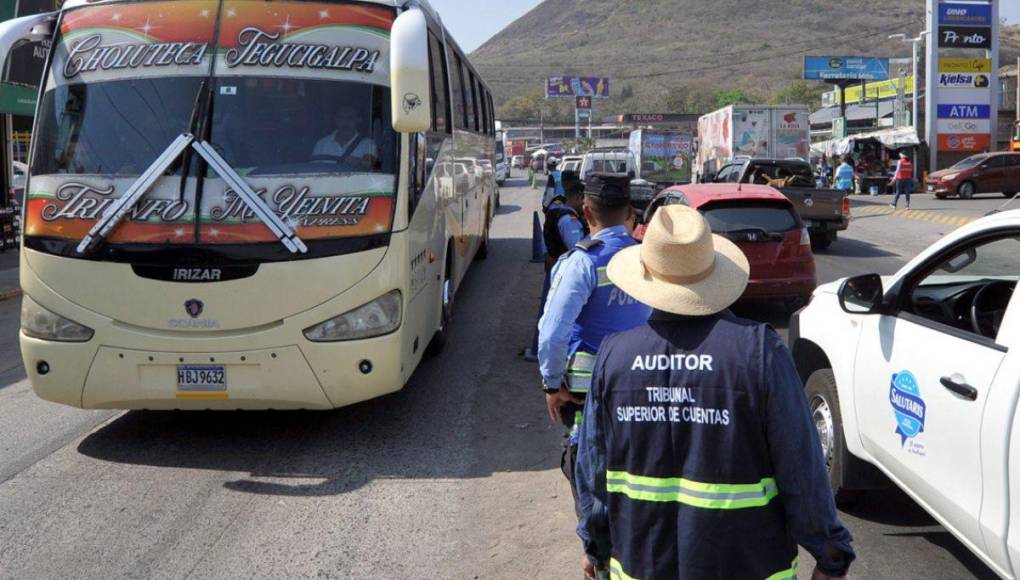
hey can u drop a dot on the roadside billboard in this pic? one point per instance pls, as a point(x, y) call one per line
point(848, 68)
point(563, 87)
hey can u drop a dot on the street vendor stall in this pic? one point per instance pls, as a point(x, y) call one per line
point(874, 155)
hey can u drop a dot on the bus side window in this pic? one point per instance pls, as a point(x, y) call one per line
point(440, 86)
point(456, 78)
point(471, 105)
point(418, 169)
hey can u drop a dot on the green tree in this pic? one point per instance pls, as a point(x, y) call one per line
point(729, 97)
point(800, 93)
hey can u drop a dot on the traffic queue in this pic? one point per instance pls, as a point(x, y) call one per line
point(665, 395)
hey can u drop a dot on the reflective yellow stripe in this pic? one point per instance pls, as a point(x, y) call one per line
point(692, 493)
point(616, 571)
point(579, 372)
point(790, 574)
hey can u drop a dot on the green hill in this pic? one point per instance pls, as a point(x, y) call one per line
point(691, 55)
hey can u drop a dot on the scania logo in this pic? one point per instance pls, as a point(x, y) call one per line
point(194, 307)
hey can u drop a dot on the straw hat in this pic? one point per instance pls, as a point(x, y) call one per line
point(682, 267)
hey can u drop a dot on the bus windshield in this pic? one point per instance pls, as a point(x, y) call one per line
point(293, 96)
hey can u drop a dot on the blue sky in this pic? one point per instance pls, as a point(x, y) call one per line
point(472, 22)
point(475, 21)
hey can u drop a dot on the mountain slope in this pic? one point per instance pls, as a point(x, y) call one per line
point(675, 53)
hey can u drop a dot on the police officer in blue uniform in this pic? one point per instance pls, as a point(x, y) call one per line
point(584, 306)
point(698, 455)
point(554, 185)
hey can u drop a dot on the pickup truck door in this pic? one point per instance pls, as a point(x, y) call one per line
point(923, 377)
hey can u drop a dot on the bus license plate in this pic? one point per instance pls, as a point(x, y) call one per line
point(201, 378)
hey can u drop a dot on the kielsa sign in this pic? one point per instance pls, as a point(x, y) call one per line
point(963, 81)
point(845, 68)
point(571, 87)
point(965, 37)
point(958, 14)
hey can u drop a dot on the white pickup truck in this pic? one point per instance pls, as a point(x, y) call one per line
point(918, 374)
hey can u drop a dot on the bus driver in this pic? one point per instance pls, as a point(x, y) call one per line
point(348, 145)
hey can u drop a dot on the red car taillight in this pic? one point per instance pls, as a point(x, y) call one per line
point(846, 206)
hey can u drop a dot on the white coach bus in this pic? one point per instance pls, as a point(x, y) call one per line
point(247, 204)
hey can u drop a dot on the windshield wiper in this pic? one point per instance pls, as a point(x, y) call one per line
point(120, 209)
point(286, 234)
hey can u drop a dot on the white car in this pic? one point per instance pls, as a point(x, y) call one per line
point(918, 374)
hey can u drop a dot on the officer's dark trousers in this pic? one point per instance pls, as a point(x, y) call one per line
point(541, 307)
point(568, 461)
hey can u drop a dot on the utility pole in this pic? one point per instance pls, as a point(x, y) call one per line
point(1018, 87)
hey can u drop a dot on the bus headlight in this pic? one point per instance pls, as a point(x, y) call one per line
point(379, 317)
point(40, 323)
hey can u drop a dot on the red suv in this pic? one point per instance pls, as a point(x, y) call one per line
point(985, 173)
point(763, 223)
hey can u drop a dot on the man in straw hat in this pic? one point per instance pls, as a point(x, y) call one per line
point(584, 306)
point(698, 456)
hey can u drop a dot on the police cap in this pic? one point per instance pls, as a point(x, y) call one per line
point(610, 189)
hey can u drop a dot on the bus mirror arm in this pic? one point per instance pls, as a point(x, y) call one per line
point(25, 29)
point(287, 236)
point(119, 210)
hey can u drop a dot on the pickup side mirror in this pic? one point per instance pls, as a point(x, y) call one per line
point(862, 295)
point(410, 87)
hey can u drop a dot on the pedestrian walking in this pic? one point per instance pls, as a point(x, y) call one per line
point(845, 176)
point(698, 455)
point(903, 179)
point(583, 307)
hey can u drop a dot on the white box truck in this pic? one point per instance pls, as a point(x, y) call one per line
point(754, 131)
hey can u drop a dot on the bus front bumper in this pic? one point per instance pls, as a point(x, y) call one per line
point(309, 376)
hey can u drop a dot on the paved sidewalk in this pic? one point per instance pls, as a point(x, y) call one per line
point(9, 284)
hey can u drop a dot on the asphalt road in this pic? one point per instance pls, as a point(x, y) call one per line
point(455, 477)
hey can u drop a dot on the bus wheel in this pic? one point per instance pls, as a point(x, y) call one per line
point(438, 342)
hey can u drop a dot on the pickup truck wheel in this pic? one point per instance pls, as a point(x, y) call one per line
point(823, 401)
point(822, 241)
point(966, 190)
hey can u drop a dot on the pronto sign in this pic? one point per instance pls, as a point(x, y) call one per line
point(845, 68)
point(965, 37)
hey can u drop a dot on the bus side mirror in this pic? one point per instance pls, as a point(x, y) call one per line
point(410, 81)
point(25, 29)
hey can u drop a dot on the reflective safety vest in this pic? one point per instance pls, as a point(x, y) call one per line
point(692, 493)
point(554, 244)
point(607, 311)
point(558, 180)
point(904, 170)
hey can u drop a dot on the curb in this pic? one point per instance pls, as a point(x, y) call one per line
point(10, 294)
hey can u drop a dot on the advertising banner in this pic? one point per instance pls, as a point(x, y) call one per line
point(290, 55)
point(964, 143)
point(964, 80)
point(880, 90)
point(964, 126)
point(957, 14)
point(850, 68)
point(965, 37)
point(569, 87)
point(664, 157)
point(964, 111)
